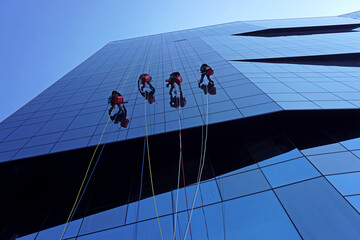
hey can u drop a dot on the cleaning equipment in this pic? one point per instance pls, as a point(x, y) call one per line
point(211, 89)
point(124, 123)
point(182, 102)
point(151, 99)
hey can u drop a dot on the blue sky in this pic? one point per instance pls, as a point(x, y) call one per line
point(42, 40)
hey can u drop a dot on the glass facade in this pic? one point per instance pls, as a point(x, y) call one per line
point(281, 139)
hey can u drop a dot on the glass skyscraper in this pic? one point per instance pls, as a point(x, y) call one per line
point(273, 153)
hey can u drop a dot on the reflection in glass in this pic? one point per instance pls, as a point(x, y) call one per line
point(104, 220)
point(347, 184)
point(242, 184)
point(319, 211)
point(333, 163)
point(259, 216)
point(290, 172)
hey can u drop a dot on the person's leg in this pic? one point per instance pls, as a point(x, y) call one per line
point(180, 89)
point(120, 108)
point(112, 108)
point(201, 79)
point(210, 81)
point(171, 89)
point(112, 117)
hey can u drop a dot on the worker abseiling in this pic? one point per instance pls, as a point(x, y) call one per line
point(175, 78)
point(207, 71)
point(115, 100)
point(143, 89)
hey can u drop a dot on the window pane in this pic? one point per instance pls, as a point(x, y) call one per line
point(347, 184)
point(290, 172)
point(259, 216)
point(242, 184)
point(107, 219)
point(355, 201)
point(336, 162)
point(311, 206)
point(55, 232)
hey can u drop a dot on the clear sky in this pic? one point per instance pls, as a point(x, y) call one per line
point(42, 40)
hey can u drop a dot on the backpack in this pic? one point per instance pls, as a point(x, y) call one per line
point(178, 79)
point(145, 78)
point(117, 99)
point(209, 72)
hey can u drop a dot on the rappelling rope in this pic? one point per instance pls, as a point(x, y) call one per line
point(137, 207)
point(181, 164)
point(82, 183)
point(201, 155)
point(146, 140)
point(202, 163)
point(134, 235)
point(72, 212)
point(149, 161)
point(150, 171)
point(146, 145)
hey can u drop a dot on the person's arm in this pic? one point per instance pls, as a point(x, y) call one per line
point(171, 89)
point(152, 89)
point(139, 84)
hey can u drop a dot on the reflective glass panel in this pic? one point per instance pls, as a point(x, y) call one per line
point(311, 206)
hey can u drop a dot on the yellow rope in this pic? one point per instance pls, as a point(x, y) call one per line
point(92, 158)
point(148, 155)
point(82, 184)
point(151, 178)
